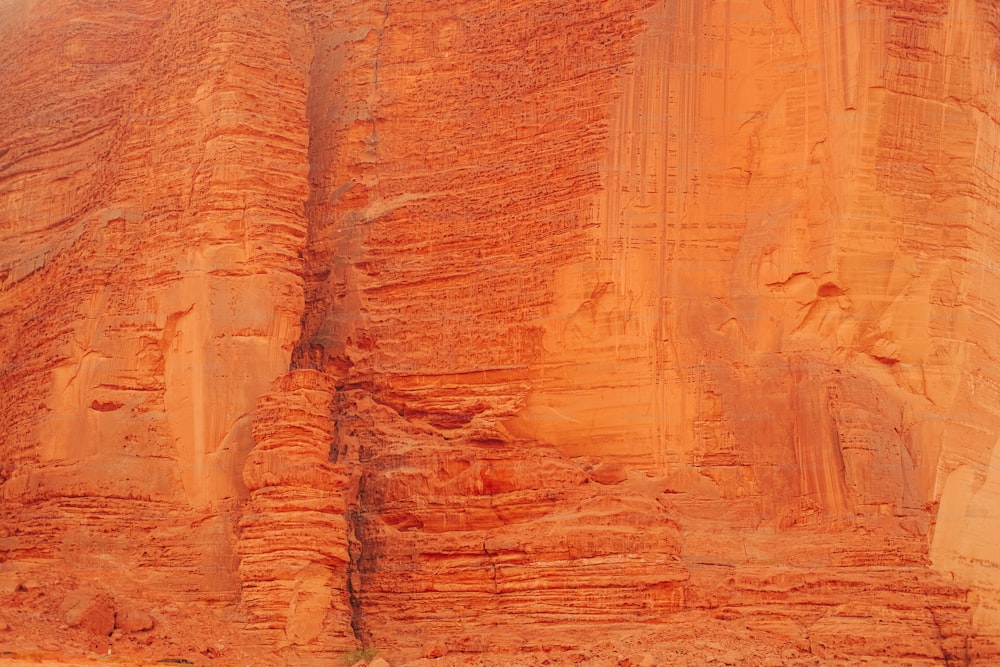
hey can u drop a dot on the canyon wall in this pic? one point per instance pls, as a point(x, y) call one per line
point(561, 330)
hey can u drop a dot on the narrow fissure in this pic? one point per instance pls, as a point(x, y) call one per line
point(326, 256)
point(358, 551)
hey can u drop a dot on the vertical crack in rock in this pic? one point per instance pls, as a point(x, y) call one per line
point(491, 560)
point(359, 554)
point(343, 174)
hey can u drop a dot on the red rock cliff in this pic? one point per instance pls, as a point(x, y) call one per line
point(578, 331)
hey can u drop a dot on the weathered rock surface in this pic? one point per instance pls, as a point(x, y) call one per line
point(93, 611)
point(622, 333)
point(293, 542)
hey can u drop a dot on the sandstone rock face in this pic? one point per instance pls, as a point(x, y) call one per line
point(293, 543)
point(651, 331)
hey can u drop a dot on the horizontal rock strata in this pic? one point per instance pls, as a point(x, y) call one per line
point(612, 332)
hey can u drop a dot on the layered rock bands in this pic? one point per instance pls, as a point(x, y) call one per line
point(608, 332)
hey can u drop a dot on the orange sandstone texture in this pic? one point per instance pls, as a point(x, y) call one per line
point(621, 332)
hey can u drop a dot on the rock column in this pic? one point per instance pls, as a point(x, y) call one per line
point(293, 532)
